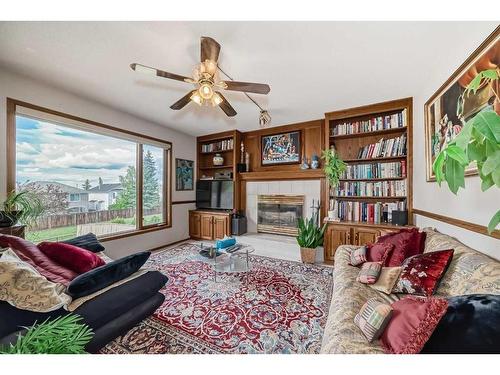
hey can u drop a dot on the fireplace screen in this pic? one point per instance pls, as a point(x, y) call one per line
point(279, 213)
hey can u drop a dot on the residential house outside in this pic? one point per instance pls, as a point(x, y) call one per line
point(103, 196)
point(78, 199)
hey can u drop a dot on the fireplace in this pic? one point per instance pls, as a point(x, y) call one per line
point(278, 214)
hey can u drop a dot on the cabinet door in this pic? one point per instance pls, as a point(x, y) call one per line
point(335, 235)
point(362, 236)
point(206, 227)
point(194, 225)
point(221, 224)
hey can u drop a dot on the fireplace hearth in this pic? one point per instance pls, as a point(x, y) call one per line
point(279, 214)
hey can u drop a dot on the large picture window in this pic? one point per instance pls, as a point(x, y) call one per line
point(90, 177)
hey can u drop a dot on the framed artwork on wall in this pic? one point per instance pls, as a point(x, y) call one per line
point(184, 174)
point(283, 148)
point(447, 111)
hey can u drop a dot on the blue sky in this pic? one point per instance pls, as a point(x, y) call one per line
point(52, 152)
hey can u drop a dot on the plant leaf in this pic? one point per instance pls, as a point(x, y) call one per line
point(454, 174)
point(486, 182)
point(490, 73)
point(495, 176)
point(437, 167)
point(488, 124)
point(494, 222)
point(463, 138)
point(458, 154)
point(476, 152)
point(492, 163)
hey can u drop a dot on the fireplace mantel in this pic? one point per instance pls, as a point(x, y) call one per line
point(300, 174)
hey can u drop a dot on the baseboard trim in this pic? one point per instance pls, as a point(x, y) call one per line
point(168, 244)
point(481, 229)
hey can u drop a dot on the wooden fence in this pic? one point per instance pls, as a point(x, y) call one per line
point(67, 220)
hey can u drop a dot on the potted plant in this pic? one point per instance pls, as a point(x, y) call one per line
point(478, 142)
point(24, 206)
point(334, 168)
point(64, 335)
point(309, 237)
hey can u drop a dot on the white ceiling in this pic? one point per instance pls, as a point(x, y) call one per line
point(312, 67)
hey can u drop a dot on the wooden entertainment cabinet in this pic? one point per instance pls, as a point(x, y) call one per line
point(209, 225)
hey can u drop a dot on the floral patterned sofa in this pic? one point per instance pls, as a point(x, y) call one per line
point(470, 272)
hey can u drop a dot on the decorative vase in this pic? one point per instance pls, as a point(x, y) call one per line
point(304, 164)
point(218, 160)
point(308, 255)
point(314, 162)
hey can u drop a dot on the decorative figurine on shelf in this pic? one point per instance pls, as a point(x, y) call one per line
point(218, 160)
point(304, 164)
point(314, 161)
point(247, 161)
point(242, 154)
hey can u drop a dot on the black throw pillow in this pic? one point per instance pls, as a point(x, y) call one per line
point(471, 325)
point(102, 277)
point(88, 242)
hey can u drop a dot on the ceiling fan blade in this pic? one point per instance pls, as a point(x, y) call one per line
point(226, 107)
point(157, 72)
point(209, 49)
point(182, 102)
point(257, 88)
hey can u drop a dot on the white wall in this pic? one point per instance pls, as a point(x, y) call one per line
point(184, 146)
point(470, 204)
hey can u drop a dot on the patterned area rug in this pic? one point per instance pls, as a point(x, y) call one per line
point(281, 308)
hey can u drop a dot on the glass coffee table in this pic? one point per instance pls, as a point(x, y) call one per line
point(233, 262)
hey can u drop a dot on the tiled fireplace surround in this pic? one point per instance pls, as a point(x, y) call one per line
point(309, 188)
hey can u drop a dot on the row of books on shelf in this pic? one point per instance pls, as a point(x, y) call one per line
point(371, 189)
point(224, 145)
point(397, 120)
point(376, 170)
point(376, 213)
point(384, 148)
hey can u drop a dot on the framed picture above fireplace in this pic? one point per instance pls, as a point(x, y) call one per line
point(282, 148)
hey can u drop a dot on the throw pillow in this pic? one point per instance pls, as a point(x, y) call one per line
point(32, 255)
point(369, 272)
point(373, 318)
point(88, 241)
point(102, 277)
point(407, 242)
point(358, 256)
point(24, 288)
point(387, 279)
point(72, 257)
point(471, 325)
point(379, 252)
point(421, 274)
point(413, 321)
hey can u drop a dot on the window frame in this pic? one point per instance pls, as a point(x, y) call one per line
point(139, 139)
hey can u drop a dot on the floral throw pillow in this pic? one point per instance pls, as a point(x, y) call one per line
point(369, 272)
point(358, 256)
point(421, 274)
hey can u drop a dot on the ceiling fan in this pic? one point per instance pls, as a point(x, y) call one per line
point(207, 81)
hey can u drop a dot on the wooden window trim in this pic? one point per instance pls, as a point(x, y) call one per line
point(12, 104)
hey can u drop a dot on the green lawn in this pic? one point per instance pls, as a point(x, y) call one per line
point(65, 233)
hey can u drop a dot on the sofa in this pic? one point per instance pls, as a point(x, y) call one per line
point(470, 272)
point(109, 314)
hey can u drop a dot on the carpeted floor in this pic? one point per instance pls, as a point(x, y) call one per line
point(283, 309)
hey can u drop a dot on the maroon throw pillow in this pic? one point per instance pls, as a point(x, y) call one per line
point(379, 252)
point(407, 242)
point(412, 323)
point(421, 274)
point(73, 257)
point(32, 255)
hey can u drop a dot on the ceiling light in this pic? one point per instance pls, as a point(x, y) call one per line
point(264, 118)
point(197, 98)
point(216, 100)
point(143, 69)
point(206, 91)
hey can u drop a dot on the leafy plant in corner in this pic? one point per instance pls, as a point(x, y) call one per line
point(334, 166)
point(310, 234)
point(478, 142)
point(23, 206)
point(63, 335)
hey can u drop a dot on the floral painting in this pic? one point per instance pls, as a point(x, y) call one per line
point(447, 111)
point(184, 174)
point(281, 148)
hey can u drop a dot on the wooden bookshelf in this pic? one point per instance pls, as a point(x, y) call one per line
point(348, 146)
point(205, 166)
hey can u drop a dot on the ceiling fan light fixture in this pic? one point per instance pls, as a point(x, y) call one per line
point(206, 91)
point(197, 98)
point(216, 100)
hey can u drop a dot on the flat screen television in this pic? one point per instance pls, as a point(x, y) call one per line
point(214, 194)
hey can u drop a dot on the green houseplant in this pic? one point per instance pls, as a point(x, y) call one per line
point(334, 168)
point(64, 335)
point(478, 142)
point(309, 237)
point(24, 206)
